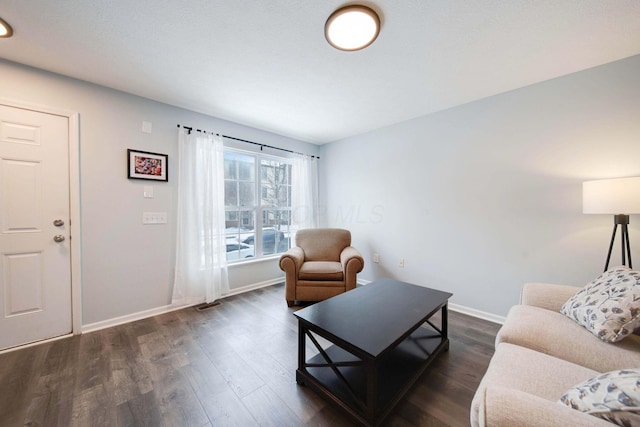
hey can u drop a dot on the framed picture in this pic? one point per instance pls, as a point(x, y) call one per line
point(146, 165)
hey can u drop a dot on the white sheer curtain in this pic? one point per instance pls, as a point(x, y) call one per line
point(201, 265)
point(304, 192)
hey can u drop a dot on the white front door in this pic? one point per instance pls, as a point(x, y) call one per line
point(35, 259)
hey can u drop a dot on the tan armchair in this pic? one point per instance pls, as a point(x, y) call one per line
point(322, 265)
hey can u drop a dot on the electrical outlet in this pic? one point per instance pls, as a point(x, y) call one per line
point(376, 258)
point(401, 263)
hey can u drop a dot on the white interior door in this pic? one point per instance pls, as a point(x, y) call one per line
point(35, 261)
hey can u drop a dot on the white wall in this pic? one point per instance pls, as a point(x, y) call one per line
point(477, 199)
point(481, 198)
point(127, 267)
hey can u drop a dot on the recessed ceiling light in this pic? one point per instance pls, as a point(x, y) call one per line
point(5, 29)
point(352, 27)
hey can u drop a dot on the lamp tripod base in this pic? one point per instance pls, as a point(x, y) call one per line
point(623, 222)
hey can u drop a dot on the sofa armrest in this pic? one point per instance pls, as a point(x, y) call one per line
point(352, 264)
point(546, 295)
point(506, 407)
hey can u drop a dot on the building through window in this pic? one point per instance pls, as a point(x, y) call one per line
point(257, 197)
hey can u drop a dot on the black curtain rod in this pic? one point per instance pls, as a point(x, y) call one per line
point(248, 142)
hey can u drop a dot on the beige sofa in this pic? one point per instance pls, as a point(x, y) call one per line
point(540, 354)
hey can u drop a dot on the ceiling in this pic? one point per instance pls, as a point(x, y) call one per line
point(266, 64)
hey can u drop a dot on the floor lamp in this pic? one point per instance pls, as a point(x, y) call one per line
point(619, 197)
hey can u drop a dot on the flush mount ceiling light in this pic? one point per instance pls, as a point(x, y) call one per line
point(5, 29)
point(352, 27)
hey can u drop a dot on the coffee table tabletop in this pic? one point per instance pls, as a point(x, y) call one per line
point(374, 317)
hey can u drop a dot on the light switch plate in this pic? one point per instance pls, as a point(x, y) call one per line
point(146, 127)
point(154, 217)
point(148, 192)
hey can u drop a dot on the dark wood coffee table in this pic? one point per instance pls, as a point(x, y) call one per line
point(381, 340)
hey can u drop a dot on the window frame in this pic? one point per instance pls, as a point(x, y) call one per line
point(259, 209)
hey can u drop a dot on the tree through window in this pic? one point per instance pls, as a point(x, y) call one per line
point(257, 204)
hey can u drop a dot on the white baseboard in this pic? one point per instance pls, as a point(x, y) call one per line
point(255, 286)
point(20, 347)
point(477, 313)
point(464, 310)
point(91, 327)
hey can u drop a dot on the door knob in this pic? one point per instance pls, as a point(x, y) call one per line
point(58, 223)
point(58, 238)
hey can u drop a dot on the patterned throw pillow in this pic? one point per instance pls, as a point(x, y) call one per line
point(609, 307)
point(614, 397)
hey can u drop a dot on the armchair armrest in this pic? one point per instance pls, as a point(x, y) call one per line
point(290, 263)
point(508, 407)
point(546, 295)
point(352, 264)
point(293, 258)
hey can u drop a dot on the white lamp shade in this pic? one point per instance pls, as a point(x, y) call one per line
point(611, 196)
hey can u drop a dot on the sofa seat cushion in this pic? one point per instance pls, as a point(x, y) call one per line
point(507, 407)
point(554, 334)
point(321, 270)
point(519, 368)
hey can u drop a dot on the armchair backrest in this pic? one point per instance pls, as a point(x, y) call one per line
point(323, 244)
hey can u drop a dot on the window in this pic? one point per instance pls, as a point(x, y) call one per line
point(257, 195)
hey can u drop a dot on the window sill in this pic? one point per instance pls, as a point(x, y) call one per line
point(253, 261)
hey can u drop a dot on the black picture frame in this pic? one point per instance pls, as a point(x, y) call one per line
point(147, 165)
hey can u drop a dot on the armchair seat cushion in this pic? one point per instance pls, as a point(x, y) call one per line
point(321, 270)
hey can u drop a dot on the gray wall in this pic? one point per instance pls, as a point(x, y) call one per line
point(477, 199)
point(128, 267)
point(481, 198)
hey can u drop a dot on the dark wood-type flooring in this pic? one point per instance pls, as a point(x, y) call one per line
point(231, 365)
